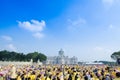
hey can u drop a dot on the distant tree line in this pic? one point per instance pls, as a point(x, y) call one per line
point(110, 63)
point(15, 56)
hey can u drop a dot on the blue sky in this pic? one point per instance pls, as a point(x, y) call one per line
point(88, 29)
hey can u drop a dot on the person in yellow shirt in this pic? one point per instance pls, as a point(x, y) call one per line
point(13, 75)
point(42, 77)
point(48, 77)
point(33, 76)
point(38, 77)
point(77, 77)
point(19, 77)
point(117, 76)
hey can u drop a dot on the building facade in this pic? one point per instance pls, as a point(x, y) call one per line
point(61, 59)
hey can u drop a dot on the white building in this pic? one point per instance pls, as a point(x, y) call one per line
point(61, 59)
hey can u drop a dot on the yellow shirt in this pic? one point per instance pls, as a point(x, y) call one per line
point(32, 77)
point(78, 79)
point(43, 78)
point(116, 79)
point(47, 78)
point(19, 78)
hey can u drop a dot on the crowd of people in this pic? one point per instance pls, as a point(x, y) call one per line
point(59, 72)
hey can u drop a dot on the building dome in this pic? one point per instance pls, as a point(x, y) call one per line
point(61, 52)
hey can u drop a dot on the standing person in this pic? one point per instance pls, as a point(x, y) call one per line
point(117, 76)
point(13, 75)
point(33, 76)
point(107, 77)
point(77, 77)
point(70, 77)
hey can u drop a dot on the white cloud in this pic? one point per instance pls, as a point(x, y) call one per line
point(77, 22)
point(111, 26)
point(38, 35)
point(109, 3)
point(35, 26)
point(97, 48)
point(102, 49)
point(11, 47)
point(7, 38)
point(115, 28)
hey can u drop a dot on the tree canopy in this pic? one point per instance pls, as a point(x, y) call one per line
point(15, 56)
point(115, 55)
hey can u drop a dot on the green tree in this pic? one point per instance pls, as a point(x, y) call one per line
point(35, 56)
point(14, 56)
point(115, 55)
